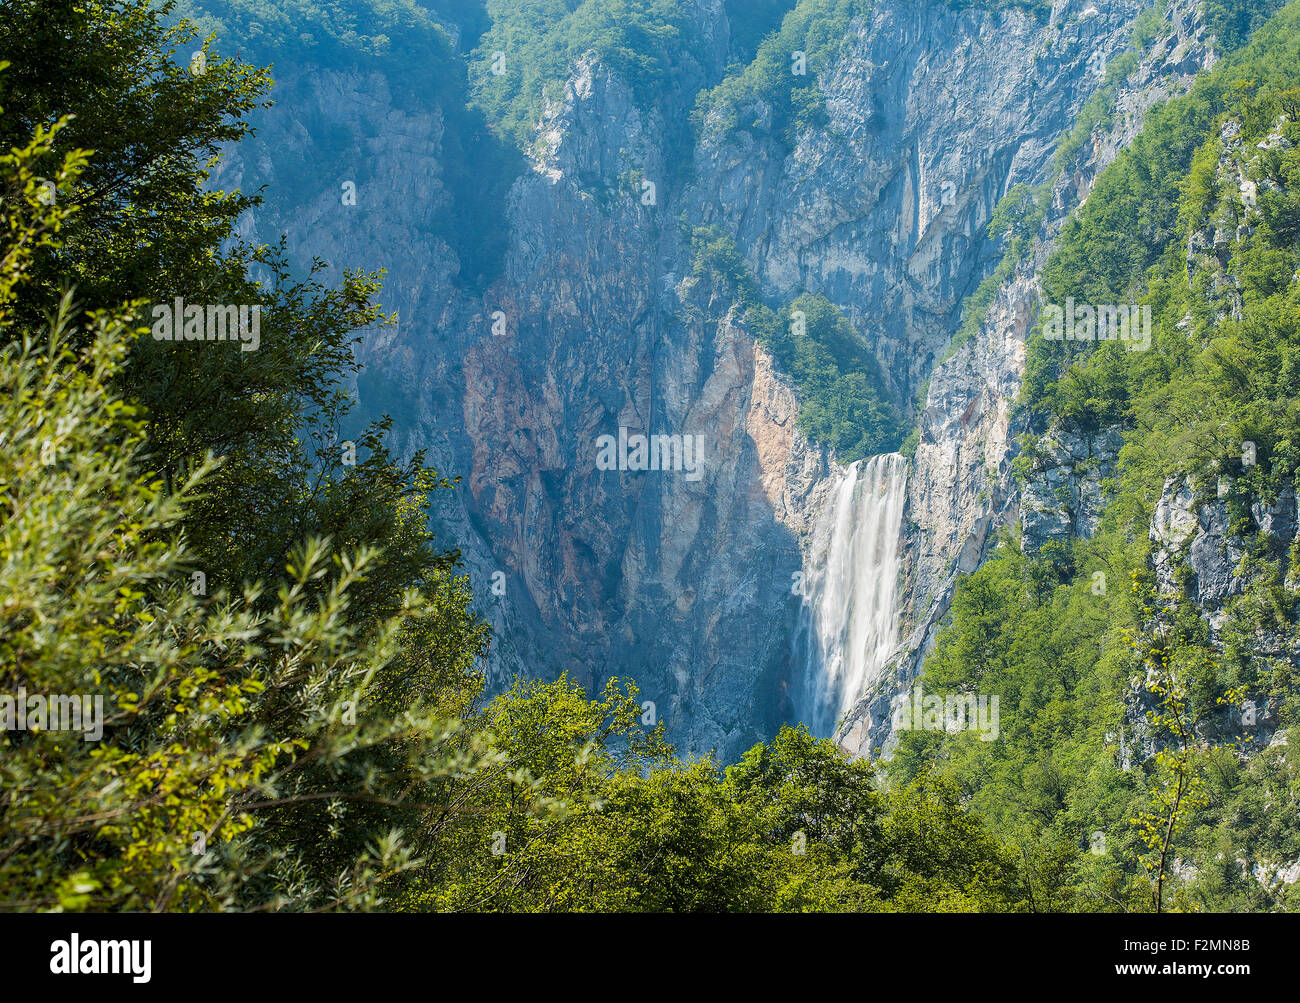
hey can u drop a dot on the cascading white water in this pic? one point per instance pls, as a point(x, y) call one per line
point(850, 617)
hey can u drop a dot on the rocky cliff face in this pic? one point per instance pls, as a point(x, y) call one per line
point(963, 489)
point(933, 114)
point(1222, 540)
point(594, 323)
point(1204, 552)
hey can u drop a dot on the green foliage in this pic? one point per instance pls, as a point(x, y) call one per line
point(216, 713)
point(153, 126)
point(1078, 639)
point(145, 230)
point(837, 379)
point(181, 538)
point(1128, 239)
point(766, 94)
point(1179, 791)
point(287, 666)
point(1233, 21)
point(327, 32)
point(1016, 220)
point(715, 257)
point(638, 40)
point(794, 826)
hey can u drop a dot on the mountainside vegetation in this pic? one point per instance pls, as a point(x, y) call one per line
point(1198, 220)
point(289, 666)
point(288, 670)
point(842, 398)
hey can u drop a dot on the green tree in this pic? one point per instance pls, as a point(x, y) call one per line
point(203, 719)
point(282, 521)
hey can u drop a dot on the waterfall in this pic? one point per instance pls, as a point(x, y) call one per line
point(850, 620)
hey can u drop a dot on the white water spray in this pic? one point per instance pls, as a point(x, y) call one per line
point(850, 617)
